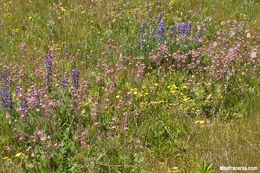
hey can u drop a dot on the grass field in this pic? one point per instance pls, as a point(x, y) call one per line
point(129, 86)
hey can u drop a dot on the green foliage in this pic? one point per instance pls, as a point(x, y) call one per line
point(205, 167)
point(137, 114)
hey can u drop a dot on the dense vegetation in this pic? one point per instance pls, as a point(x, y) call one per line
point(129, 86)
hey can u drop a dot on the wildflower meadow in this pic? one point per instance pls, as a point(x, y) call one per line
point(105, 86)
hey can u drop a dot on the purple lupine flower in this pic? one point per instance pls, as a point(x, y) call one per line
point(48, 61)
point(65, 82)
point(160, 29)
point(187, 28)
point(4, 76)
point(142, 39)
point(23, 108)
point(6, 97)
point(180, 28)
point(75, 80)
point(184, 28)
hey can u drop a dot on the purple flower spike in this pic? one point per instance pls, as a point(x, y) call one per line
point(65, 82)
point(187, 28)
point(48, 61)
point(160, 30)
point(5, 96)
point(75, 80)
point(184, 28)
point(180, 28)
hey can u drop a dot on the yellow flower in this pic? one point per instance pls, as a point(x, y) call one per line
point(173, 88)
point(143, 104)
point(30, 17)
point(5, 158)
point(114, 20)
point(200, 122)
point(62, 9)
point(117, 96)
point(16, 30)
point(184, 87)
point(20, 154)
point(175, 168)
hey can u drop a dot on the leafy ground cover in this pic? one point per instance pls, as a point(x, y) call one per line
point(129, 86)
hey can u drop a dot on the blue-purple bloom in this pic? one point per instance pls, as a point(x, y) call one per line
point(160, 29)
point(75, 80)
point(65, 82)
point(187, 28)
point(48, 61)
point(6, 99)
point(184, 28)
point(4, 76)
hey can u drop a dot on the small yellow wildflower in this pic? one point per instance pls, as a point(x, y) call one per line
point(16, 30)
point(175, 168)
point(30, 17)
point(62, 9)
point(200, 122)
point(173, 88)
point(143, 104)
point(5, 158)
point(184, 87)
point(135, 93)
point(117, 96)
point(114, 20)
point(153, 102)
point(20, 154)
